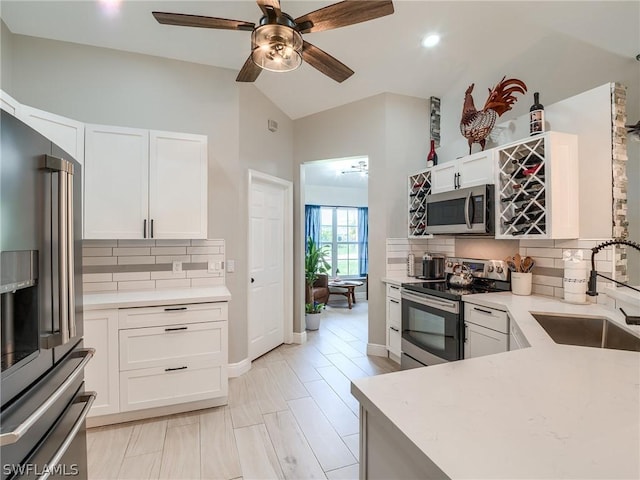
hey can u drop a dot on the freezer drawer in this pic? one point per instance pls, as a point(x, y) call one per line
point(172, 344)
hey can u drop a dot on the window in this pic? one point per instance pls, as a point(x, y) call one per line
point(339, 230)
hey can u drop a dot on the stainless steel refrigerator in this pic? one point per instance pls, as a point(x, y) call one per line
point(42, 397)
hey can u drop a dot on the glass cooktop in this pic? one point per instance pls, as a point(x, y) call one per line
point(442, 288)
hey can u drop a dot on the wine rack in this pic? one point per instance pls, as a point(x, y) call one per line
point(419, 188)
point(537, 188)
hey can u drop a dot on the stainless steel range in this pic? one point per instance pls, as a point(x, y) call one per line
point(432, 313)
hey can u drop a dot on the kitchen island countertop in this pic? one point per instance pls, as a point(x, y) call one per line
point(548, 411)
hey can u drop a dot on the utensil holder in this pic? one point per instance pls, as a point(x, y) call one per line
point(521, 283)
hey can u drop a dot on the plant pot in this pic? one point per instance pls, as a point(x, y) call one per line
point(521, 283)
point(312, 321)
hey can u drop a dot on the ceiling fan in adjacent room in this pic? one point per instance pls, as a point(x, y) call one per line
point(276, 42)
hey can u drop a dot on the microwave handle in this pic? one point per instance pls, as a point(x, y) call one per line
point(467, 215)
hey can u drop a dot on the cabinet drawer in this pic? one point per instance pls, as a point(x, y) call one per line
point(394, 341)
point(486, 317)
point(393, 291)
point(172, 315)
point(172, 344)
point(157, 387)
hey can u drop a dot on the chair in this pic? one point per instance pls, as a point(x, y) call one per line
point(320, 289)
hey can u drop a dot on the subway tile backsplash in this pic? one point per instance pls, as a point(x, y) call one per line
point(111, 265)
point(548, 255)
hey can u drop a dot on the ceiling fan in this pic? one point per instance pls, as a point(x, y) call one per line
point(276, 42)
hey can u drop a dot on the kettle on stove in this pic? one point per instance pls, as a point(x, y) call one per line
point(461, 276)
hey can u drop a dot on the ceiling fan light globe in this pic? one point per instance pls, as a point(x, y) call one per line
point(277, 48)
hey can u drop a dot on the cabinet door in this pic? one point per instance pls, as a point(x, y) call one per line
point(116, 182)
point(476, 169)
point(178, 185)
point(66, 133)
point(481, 341)
point(394, 341)
point(101, 373)
point(443, 177)
point(394, 313)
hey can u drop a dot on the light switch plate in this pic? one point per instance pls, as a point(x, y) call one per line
point(231, 266)
point(177, 266)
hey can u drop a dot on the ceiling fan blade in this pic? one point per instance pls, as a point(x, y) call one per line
point(322, 61)
point(265, 4)
point(183, 20)
point(249, 71)
point(342, 14)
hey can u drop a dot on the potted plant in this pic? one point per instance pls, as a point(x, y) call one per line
point(312, 315)
point(315, 263)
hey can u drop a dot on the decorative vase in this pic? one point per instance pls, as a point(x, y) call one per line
point(521, 283)
point(312, 321)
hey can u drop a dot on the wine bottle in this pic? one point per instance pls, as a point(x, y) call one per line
point(432, 157)
point(536, 116)
point(523, 194)
point(528, 219)
point(537, 169)
point(530, 209)
point(527, 160)
point(530, 227)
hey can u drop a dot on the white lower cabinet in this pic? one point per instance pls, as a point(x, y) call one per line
point(486, 331)
point(101, 373)
point(394, 324)
point(157, 356)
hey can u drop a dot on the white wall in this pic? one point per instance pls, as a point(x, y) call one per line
point(335, 196)
point(97, 85)
point(392, 130)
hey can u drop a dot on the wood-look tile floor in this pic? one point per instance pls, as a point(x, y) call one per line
point(292, 416)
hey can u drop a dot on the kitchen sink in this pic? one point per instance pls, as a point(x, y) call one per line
point(587, 331)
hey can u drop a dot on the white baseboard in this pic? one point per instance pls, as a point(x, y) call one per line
point(237, 369)
point(376, 350)
point(299, 337)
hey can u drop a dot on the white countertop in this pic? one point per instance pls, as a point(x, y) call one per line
point(142, 298)
point(550, 411)
point(625, 294)
point(400, 280)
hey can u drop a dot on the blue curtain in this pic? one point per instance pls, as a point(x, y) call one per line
point(363, 240)
point(312, 223)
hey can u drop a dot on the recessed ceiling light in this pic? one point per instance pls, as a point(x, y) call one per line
point(430, 40)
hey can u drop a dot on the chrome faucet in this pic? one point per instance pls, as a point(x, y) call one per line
point(593, 275)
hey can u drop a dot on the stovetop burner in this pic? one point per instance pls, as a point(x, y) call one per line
point(488, 276)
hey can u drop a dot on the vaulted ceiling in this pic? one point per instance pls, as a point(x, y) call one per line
point(477, 38)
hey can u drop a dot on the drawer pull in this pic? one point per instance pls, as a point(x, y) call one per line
point(394, 329)
point(393, 301)
point(394, 287)
point(174, 309)
point(174, 369)
point(489, 312)
point(175, 329)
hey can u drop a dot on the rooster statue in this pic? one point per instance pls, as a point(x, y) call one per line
point(476, 125)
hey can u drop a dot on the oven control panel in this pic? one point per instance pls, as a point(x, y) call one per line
point(491, 269)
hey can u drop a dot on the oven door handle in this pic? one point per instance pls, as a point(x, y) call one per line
point(467, 214)
point(15, 435)
point(87, 398)
point(428, 301)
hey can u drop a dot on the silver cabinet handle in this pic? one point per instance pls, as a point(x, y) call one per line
point(467, 203)
point(88, 399)
point(12, 437)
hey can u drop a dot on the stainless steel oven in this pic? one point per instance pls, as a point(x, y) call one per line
point(467, 210)
point(430, 330)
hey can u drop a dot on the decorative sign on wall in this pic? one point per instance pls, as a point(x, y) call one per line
point(434, 123)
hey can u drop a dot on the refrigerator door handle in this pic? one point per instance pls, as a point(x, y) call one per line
point(15, 435)
point(71, 296)
point(87, 399)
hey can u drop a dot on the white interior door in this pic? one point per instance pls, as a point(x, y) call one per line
point(267, 242)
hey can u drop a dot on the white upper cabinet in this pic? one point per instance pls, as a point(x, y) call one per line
point(145, 184)
point(178, 185)
point(116, 200)
point(469, 171)
point(68, 134)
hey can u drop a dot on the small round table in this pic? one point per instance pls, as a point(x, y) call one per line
point(349, 287)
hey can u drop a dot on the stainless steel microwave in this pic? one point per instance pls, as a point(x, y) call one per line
point(462, 211)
